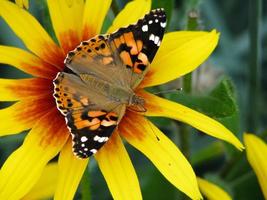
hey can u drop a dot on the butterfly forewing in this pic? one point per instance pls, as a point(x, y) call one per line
point(100, 76)
point(138, 43)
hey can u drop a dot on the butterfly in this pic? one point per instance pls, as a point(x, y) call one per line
point(100, 76)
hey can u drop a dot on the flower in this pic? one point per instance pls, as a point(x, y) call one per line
point(212, 191)
point(22, 3)
point(46, 185)
point(180, 53)
point(256, 150)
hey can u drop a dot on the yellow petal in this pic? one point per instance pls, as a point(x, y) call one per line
point(23, 114)
point(118, 170)
point(148, 139)
point(130, 14)
point(46, 185)
point(24, 167)
point(71, 170)
point(13, 90)
point(67, 21)
point(256, 155)
point(179, 54)
point(28, 29)
point(26, 62)
point(212, 191)
point(157, 106)
point(94, 15)
point(22, 3)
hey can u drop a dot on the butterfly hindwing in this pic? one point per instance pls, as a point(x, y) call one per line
point(90, 130)
point(90, 117)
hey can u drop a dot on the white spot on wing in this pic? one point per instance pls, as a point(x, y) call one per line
point(150, 21)
point(100, 139)
point(145, 28)
point(152, 37)
point(156, 40)
point(84, 139)
point(163, 24)
point(96, 138)
point(93, 151)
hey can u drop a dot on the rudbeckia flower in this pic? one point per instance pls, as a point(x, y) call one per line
point(22, 3)
point(35, 108)
point(256, 150)
point(212, 191)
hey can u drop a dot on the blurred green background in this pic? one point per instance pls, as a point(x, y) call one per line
point(230, 81)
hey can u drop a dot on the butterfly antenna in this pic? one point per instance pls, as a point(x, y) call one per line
point(169, 91)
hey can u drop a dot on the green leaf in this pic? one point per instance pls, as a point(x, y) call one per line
point(207, 153)
point(219, 104)
point(155, 186)
point(85, 186)
point(247, 187)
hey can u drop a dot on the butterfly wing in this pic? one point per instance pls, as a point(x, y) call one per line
point(124, 54)
point(138, 43)
point(90, 116)
point(121, 59)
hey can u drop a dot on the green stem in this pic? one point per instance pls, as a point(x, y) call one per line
point(187, 83)
point(255, 64)
point(192, 24)
point(85, 186)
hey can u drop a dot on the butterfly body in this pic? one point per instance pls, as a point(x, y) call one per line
point(97, 86)
point(114, 92)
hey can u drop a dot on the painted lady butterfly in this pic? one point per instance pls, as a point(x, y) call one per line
point(101, 74)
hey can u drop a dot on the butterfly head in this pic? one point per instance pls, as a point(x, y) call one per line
point(137, 104)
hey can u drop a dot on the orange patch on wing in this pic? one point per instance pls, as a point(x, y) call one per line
point(125, 56)
point(84, 101)
point(96, 113)
point(136, 69)
point(139, 44)
point(112, 118)
point(122, 39)
point(107, 60)
point(108, 123)
point(143, 58)
point(130, 41)
point(104, 50)
point(117, 42)
point(94, 127)
point(85, 123)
